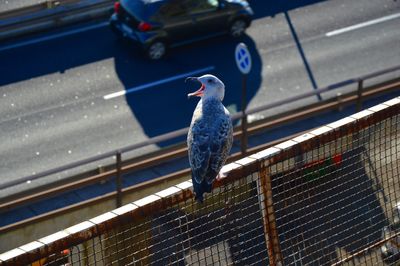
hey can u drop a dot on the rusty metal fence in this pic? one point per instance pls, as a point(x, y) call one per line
point(328, 197)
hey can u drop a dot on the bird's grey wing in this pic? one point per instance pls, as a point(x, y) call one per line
point(220, 147)
point(199, 151)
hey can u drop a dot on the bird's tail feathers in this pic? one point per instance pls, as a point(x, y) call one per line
point(200, 189)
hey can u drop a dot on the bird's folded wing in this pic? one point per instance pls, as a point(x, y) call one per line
point(199, 156)
point(220, 147)
point(208, 150)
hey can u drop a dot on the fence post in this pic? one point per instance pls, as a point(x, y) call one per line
point(118, 180)
point(359, 95)
point(52, 3)
point(270, 230)
point(339, 99)
point(243, 141)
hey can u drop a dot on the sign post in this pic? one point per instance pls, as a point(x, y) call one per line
point(243, 62)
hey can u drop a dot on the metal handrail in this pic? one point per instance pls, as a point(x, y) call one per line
point(39, 11)
point(178, 152)
point(113, 220)
point(182, 132)
point(33, 18)
point(322, 90)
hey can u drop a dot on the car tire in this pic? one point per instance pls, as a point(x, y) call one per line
point(156, 50)
point(238, 27)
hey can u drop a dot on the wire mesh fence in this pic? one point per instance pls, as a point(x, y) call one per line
point(228, 228)
point(337, 200)
point(329, 197)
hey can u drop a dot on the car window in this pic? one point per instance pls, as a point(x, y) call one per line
point(172, 9)
point(200, 6)
point(142, 9)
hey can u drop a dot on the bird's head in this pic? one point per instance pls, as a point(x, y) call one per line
point(211, 87)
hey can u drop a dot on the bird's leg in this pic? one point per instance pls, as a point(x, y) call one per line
point(221, 175)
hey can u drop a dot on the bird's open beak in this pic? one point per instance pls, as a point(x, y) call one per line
point(197, 93)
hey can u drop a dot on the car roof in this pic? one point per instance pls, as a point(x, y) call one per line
point(142, 9)
point(151, 1)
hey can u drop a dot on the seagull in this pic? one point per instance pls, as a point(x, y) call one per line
point(210, 134)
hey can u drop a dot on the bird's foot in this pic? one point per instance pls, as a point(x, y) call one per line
point(221, 175)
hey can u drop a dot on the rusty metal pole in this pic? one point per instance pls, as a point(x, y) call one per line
point(270, 230)
point(243, 141)
point(118, 180)
point(359, 95)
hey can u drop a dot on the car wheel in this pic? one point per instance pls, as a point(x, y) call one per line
point(156, 50)
point(238, 27)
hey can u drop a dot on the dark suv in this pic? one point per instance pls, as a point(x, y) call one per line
point(159, 24)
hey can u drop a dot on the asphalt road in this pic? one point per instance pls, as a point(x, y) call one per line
point(57, 90)
point(7, 5)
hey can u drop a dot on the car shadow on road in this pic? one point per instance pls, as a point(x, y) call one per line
point(99, 47)
point(165, 107)
point(56, 55)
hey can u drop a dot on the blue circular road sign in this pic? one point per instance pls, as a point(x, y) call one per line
point(243, 58)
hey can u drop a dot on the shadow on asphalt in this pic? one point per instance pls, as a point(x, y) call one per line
point(302, 54)
point(63, 53)
point(158, 117)
point(165, 107)
point(56, 55)
point(270, 8)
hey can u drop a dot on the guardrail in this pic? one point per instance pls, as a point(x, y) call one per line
point(50, 14)
point(180, 150)
point(182, 132)
point(298, 202)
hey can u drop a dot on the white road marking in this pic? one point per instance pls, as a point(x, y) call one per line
point(361, 25)
point(52, 36)
point(158, 82)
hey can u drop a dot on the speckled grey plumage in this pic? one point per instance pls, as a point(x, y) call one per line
point(209, 142)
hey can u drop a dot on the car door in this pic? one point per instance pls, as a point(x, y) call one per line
point(177, 22)
point(209, 16)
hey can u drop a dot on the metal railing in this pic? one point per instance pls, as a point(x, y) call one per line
point(324, 198)
point(49, 14)
point(180, 150)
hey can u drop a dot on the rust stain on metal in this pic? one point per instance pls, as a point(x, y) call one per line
point(270, 230)
point(365, 250)
point(180, 150)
